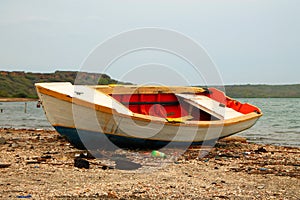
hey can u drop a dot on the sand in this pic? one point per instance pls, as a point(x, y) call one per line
point(2, 99)
point(38, 164)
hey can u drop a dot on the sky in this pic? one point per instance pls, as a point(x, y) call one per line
point(249, 41)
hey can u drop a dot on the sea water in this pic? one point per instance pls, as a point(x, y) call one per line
point(23, 115)
point(280, 124)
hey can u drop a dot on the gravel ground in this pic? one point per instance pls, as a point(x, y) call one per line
point(38, 164)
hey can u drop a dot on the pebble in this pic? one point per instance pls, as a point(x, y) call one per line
point(247, 153)
point(81, 163)
point(32, 162)
point(4, 165)
point(46, 157)
point(260, 150)
point(261, 187)
point(2, 140)
point(14, 145)
point(263, 169)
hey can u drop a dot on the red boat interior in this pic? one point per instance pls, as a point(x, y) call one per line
point(167, 105)
point(243, 108)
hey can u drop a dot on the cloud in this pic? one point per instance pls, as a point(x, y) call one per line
point(25, 20)
point(93, 18)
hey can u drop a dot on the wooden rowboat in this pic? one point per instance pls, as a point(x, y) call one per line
point(142, 116)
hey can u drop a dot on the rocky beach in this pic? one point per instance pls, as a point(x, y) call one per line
point(40, 164)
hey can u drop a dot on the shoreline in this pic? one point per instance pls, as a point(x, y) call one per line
point(236, 136)
point(40, 164)
point(2, 99)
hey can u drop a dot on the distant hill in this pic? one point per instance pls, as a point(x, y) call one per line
point(21, 85)
point(263, 91)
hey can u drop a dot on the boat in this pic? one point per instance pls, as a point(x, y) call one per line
point(142, 116)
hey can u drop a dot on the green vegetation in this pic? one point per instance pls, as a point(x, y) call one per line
point(21, 84)
point(263, 91)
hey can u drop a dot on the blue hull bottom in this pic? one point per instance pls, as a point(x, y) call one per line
point(90, 140)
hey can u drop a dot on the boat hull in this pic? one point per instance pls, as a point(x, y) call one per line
point(89, 128)
point(92, 140)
